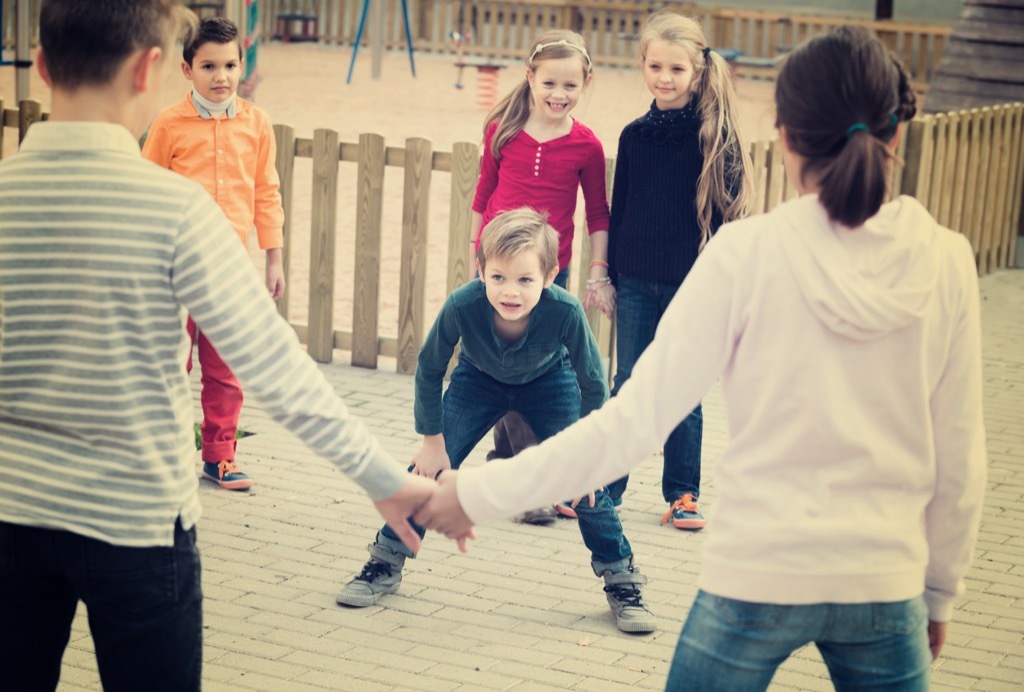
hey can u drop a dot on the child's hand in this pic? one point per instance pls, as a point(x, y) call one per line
point(397, 509)
point(590, 498)
point(275, 273)
point(443, 512)
point(275, 282)
point(601, 297)
point(432, 458)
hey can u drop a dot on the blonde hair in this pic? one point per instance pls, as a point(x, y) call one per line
point(512, 112)
point(725, 158)
point(511, 233)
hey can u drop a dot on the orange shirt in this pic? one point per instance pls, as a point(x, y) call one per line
point(233, 158)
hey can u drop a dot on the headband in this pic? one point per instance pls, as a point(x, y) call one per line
point(561, 42)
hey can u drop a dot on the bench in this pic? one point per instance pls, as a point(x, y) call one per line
point(293, 26)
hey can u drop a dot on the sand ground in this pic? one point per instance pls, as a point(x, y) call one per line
point(303, 85)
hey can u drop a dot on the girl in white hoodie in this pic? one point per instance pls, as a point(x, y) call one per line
point(846, 333)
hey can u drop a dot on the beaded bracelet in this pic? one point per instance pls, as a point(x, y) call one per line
point(594, 284)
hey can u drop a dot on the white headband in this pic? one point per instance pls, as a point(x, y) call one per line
point(561, 42)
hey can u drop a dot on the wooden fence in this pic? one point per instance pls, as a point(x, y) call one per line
point(503, 29)
point(967, 167)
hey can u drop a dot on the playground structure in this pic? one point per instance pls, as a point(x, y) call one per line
point(492, 31)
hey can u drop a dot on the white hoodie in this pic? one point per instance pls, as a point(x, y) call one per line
point(851, 368)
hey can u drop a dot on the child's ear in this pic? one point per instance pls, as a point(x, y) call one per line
point(551, 277)
point(41, 66)
point(186, 70)
point(146, 63)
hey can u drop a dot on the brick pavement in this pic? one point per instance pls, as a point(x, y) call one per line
point(522, 611)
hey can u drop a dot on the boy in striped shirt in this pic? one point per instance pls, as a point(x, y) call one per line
point(102, 256)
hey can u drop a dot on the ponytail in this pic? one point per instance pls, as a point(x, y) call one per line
point(843, 128)
point(724, 182)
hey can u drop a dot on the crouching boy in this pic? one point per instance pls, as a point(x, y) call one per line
point(525, 347)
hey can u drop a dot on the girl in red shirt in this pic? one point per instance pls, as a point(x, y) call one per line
point(537, 155)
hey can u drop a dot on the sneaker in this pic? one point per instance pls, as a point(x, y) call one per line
point(565, 509)
point(684, 514)
point(226, 475)
point(538, 517)
point(627, 601)
point(381, 575)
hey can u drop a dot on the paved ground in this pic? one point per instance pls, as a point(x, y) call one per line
point(522, 611)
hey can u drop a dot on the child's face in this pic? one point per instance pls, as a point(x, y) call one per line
point(668, 72)
point(514, 284)
point(556, 86)
point(215, 70)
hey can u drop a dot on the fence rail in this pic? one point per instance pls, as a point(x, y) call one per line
point(966, 167)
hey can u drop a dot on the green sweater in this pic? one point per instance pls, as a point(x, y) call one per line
point(558, 328)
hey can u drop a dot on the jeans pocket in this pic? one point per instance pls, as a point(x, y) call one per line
point(132, 581)
point(746, 615)
point(901, 617)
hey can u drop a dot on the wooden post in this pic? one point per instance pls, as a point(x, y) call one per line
point(981, 209)
point(1016, 186)
point(465, 171)
point(940, 127)
point(415, 214)
point(956, 217)
point(29, 111)
point(776, 174)
point(3, 124)
point(284, 136)
point(366, 294)
point(323, 228)
point(758, 159)
point(971, 189)
point(1001, 176)
point(912, 157)
point(947, 184)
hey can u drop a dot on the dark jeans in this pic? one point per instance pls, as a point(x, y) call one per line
point(474, 402)
point(510, 435)
point(144, 607)
point(641, 303)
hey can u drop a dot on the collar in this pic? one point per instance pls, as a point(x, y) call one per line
point(63, 135)
point(208, 110)
point(687, 112)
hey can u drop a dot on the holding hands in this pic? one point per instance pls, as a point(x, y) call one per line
point(443, 512)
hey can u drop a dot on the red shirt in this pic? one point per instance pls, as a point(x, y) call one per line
point(546, 176)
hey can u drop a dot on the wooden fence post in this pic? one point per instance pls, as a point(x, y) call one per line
point(983, 211)
point(323, 230)
point(913, 158)
point(1016, 186)
point(415, 215)
point(963, 150)
point(3, 124)
point(759, 177)
point(971, 188)
point(369, 208)
point(465, 171)
point(285, 163)
point(776, 175)
point(29, 111)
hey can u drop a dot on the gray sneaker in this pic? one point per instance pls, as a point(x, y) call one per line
point(627, 601)
point(381, 575)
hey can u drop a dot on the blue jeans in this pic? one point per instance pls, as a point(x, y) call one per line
point(641, 303)
point(144, 605)
point(474, 402)
point(737, 645)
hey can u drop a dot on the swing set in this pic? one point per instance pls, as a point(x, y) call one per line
point(486, 72)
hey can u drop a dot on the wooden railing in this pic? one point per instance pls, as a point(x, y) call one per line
point(967, 167)
point(503, 29)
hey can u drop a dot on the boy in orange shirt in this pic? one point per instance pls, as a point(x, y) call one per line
point(227, 145)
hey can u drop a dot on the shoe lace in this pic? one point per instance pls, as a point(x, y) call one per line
point(626, 594)
point(226, 467)
point(685, 503)
point(372, 570)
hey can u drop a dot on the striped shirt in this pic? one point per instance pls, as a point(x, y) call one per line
point(102, 256)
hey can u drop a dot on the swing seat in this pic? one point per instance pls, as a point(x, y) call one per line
point(294, 26)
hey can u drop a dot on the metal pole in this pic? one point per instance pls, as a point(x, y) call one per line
point(377, 32)
point(23, 48)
